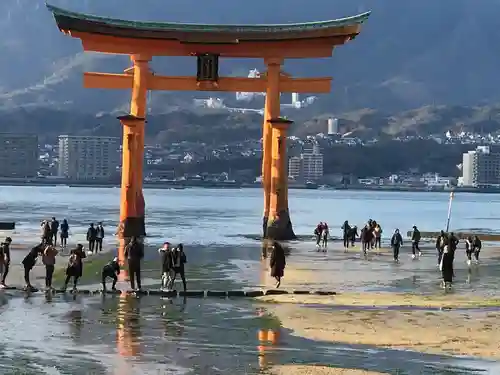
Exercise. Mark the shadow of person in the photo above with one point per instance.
(76, 323)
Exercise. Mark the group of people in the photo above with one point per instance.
(50, 230)
(48, 253)
(321, 233)
(370, 235)
(397, 242)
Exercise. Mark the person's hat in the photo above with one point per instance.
(414, 227)
(8, 239)
(115, 259)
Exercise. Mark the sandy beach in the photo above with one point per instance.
(452, 332)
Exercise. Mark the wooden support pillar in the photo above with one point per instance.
(131, 224)
(279, 224)
(132, 207)
(271, 110)
(138, 108)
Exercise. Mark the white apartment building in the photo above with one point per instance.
(88, 158)
(307, 167)
(18, 155)
(295, 167)
(481, 167)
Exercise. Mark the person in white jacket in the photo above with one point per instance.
(167, 271)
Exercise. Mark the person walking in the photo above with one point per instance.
(377, 232)
(91, 237)
(99, 237)
(476, 246)
(4, 261)
(447, 267)
(415, 240)
(396, 243)
(346, 234)
(134, 252)
(277, 263)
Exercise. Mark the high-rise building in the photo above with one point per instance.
(88, 158)
(18, 155)
(307, 167)
(295, 167)
(481, 167)
(312, 164)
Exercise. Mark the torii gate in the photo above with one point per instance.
(144, 40)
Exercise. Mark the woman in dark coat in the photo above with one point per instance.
(277, 263)
(447, 267)
(75, 266)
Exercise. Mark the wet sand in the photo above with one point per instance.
(318, 370)
(469, 333)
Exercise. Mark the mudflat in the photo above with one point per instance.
(317, 370)
(453, 332)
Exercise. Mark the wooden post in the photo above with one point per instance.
(271, 110)
(279, 225)
(138, 107)
(130, 223)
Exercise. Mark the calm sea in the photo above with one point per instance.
(214, 216)
(149, 335)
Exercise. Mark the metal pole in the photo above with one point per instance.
(452, 195)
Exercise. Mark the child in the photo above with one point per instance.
(111, 270)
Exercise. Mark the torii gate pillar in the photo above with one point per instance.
(279, 226)
(132, 204)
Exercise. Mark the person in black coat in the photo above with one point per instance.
(29, 262)
(476, 246)
(447, 267)
(111, 270)
(179, 259)
(91, 237)
(396, 243)
(277, 263)
(134, 252)
(75, 266)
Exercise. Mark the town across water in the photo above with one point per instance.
(150, 335)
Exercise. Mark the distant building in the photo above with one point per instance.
(18, 155)
(295, 167)
(88, 158)
(307, 167)
(481, 167)
(333, 126)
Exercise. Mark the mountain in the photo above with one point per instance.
(409, 54)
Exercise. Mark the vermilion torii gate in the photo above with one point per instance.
(144, 40)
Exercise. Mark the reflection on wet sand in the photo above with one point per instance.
(268, 341)
(128, 326)
(173, 319)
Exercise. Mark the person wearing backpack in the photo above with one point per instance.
(4, 260)
(75, 266)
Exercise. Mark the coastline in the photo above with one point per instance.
(180, 185)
